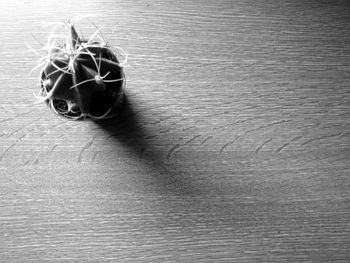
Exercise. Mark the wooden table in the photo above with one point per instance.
(233, 145)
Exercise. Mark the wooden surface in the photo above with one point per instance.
(233, 146)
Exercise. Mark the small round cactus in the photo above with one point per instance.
(82, 78)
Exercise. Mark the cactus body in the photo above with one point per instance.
(82, 78)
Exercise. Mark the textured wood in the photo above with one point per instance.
(233, 145)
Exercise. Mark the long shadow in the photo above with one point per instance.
(128, 128)
(179, 193)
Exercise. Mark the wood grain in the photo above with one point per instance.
(233, 145)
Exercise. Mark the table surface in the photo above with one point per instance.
(233, 145)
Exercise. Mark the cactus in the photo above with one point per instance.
(82, 78)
